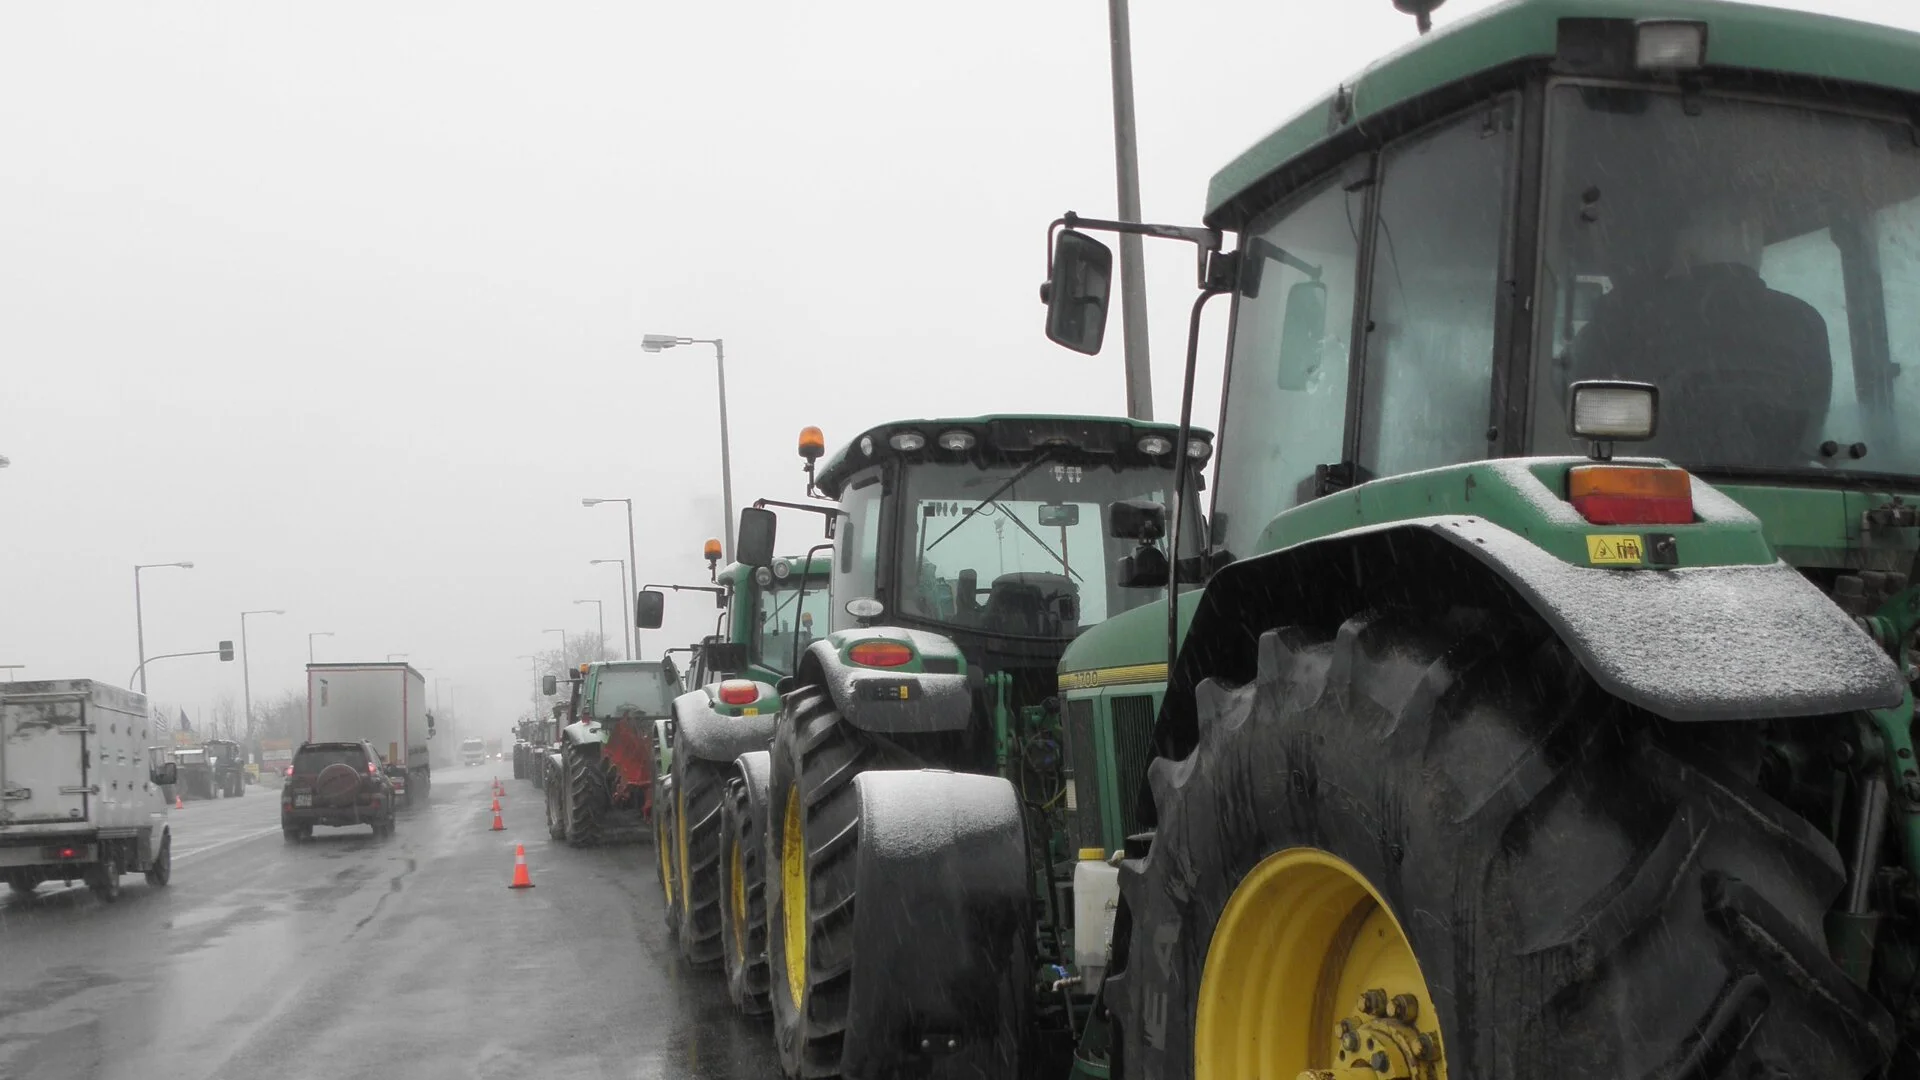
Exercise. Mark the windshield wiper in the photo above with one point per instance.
(997, 492)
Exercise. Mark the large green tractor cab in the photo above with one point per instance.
(968, 554)
(712, 881)
(600, 777)
(1547, 709)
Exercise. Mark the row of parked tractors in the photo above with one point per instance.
(1444, 740)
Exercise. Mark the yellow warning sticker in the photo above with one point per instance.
(1615, 549)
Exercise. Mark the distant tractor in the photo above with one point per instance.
(1472, 746)
(599, 780)
(980, 545)
(195, 773)
(227, 763)
(473, 751)
(705, 871)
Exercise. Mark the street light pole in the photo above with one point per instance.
(246, 673)
(1133, 277)
(626, 597)
(600, 613)
(654, 343)
(631, 560)
(140, 618)
(310, 637)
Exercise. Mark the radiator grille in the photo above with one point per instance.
(1083, 758)
(1133, 718)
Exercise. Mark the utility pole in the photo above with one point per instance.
(1133, 277)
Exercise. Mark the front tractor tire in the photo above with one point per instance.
(663, 847)
(1433, 840)
(743, 884)
(698, 790)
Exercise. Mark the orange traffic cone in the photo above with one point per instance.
(520, 878)
(177, 804)
(495, 806)
(497, 825)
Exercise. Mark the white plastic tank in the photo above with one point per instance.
(1096, 896)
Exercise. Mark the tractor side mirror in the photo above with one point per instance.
(165, 774)
(753, 543)
(1303, 332)
(1137, 519)
(1059, 515)
(723, 657)
(1076, 291)
(1146, 568)
(429, 725)
(549, 685)
(649, 609)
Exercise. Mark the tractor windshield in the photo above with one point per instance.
(1021, 548)
(1758, 262)
(784, 623)
(643, 691)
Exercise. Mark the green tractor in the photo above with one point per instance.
(968, 555)
(718, 737)
(1478, 747)
(599, 780)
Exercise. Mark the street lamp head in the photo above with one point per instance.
(590, 502)
(657, 342)
(277, 611)
(586, 601)
(184, 565)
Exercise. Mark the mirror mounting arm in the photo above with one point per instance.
(1206, 240)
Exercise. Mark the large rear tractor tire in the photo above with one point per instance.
(664, 862)
(1429, 846)
(587, 795)
(813, 831)
(743, 886)
(698, 791)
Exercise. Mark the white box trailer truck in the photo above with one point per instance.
(384, 704)
(80, 786)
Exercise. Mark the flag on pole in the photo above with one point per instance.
(185, 724)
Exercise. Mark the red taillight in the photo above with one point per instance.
(286, 806)
(1631, 494)
(880, 654)
(739, 692)
(69, 853)
(372, 769)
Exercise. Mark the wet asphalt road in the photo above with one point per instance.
(349, 957)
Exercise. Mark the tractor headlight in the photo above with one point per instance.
(1669, 45)
(906, 441)
(1199, 449)
(1614, 411)
(763, 577)
(781, 569)
(956, 441)
(1154, 445)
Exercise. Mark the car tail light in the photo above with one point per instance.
(64, 853)
(880, 654)
(739, 692)
(372, 769)
(1631, 494)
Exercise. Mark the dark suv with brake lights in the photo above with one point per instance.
(335, 783)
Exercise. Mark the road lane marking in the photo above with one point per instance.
(225, 843)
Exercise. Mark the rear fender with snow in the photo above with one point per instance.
(712, 730)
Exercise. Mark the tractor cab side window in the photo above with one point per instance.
(1286, 395)
(1428, 374)
(856, 546)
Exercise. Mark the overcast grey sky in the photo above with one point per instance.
(343, 301)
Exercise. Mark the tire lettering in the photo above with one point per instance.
(1155, 1019)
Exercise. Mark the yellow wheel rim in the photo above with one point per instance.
(739, 907)
(793, 895)
(680, 849)
(660, 842)
(1309, 975)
